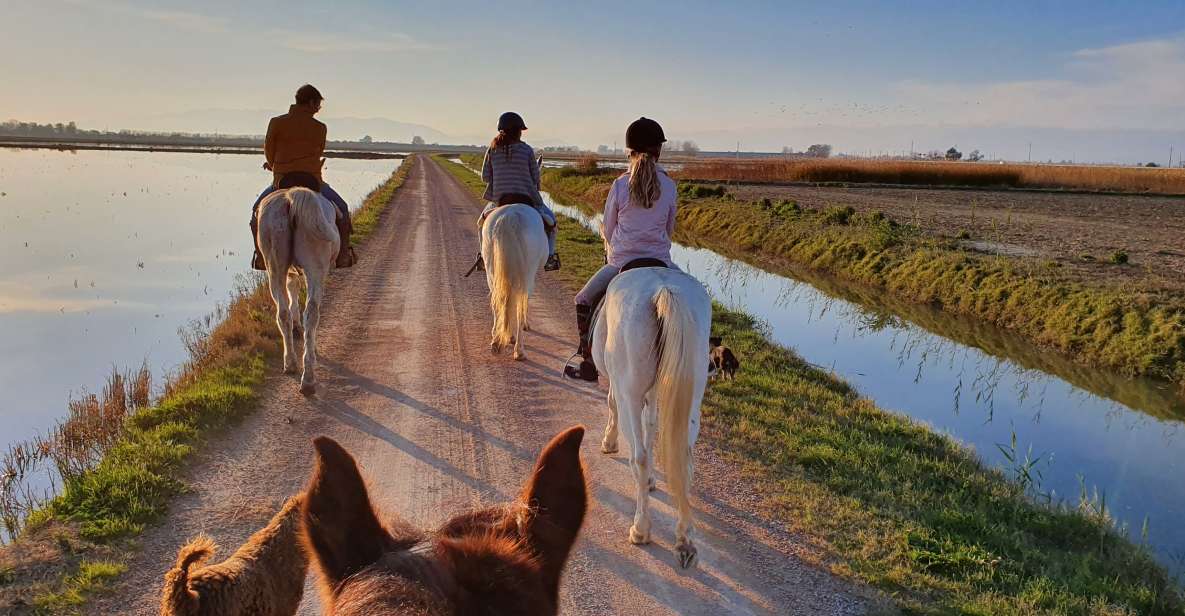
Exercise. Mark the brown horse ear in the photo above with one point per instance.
(339, 523)
(558, 497)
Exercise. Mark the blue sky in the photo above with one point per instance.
(1085, 80)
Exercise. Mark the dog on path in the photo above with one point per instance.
(265, 577)
(724, 362)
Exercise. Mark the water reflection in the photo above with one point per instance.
(106, 254)
(1092, 429)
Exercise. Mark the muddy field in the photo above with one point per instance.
(1080, 232)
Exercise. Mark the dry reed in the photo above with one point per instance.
(32, 470)
(935, 173)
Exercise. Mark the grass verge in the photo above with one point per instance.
(51, 566)
(1137, 333)
(892, 503)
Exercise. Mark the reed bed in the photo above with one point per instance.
(936, 173)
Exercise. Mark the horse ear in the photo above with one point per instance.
(558, 498)
(340, 525)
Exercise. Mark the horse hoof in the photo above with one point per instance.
(290, 369)
(518, 356)
(526, 327)
(652, 485)
(687, 553)
(606, 447)
(495, 348)
(637, 537)
(308, 389)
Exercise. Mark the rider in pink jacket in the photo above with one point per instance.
(638, 222)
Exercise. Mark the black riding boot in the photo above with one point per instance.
(345, 255)
(257, 261)
(587, 370)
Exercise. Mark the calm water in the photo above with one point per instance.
(1117, 437)
(106, 254)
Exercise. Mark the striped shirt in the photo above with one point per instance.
(516, 173)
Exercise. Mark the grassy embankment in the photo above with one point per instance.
(893, 504)
(925, 173)
(1117, 327)
(76, 542)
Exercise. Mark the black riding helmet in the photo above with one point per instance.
(511, 121)
(644, 134)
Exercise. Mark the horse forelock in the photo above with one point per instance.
(448, 575)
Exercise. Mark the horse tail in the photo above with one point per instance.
(675, 387)
(177, 598)
(510, 275)
(308, 214)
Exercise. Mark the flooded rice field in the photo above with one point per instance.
(1085, 433)
(107, 254)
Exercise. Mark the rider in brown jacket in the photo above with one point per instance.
(294, 148)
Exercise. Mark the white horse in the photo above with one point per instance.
(651, 340)
(514, 247)
(298, 235)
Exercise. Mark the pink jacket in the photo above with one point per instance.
(633, 232)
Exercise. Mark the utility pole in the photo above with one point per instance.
(1170, 165)
(1030, 151)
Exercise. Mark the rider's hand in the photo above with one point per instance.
(267, 165)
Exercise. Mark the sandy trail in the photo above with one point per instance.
(439, 425)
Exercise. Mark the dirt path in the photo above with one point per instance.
(439, 425)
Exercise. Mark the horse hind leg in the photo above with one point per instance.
(312, 317)
(294, 282)
(640, 463)
(650, 432)
(283, 317)
(609, 442)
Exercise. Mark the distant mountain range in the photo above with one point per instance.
(254, 122)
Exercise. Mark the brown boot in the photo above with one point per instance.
(257, 262)
(345, 256)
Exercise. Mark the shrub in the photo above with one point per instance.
(838, 215)
(587, 163)
(1119, 257)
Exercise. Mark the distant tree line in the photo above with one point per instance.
(69, 132)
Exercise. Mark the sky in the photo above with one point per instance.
(1086, 81)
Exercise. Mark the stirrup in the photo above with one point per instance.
(576, 371)
(553, 263)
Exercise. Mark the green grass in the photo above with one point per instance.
(132, 485)
(91, 577)
(1121, 328)
(891, 503)
(367, 217)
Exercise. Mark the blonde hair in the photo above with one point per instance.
(644, 187)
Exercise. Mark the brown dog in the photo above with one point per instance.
(724, 363)
(265, 577)
(502, 560)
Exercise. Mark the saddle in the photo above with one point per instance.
(638, 263)
(643, 262)
(516, 198)
(299, 179)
